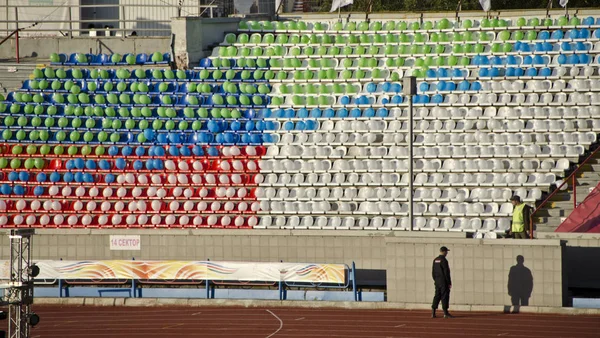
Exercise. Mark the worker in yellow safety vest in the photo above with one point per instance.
(520, 218)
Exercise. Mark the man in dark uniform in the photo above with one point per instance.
(441, 277)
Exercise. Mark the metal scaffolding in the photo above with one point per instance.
(19, 291)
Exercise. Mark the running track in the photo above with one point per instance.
(166, 322)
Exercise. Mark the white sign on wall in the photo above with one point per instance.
(125, 242)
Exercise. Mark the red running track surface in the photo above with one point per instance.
(163, 322)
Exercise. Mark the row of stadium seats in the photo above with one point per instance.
(517, 36)
(104, 59)
(443, 24)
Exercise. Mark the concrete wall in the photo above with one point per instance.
(480, 270)
(42, 47)
(194, 36)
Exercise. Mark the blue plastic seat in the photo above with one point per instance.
(72, 60)
(141, 59)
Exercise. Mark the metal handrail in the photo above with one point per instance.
(189, 9)
(565, 181)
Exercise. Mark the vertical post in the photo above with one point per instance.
(17, 32)
(458, 9)
(548, 7)
(122, 20)
(410, 89)
(574, 193)
(353, 276)
(70, 22)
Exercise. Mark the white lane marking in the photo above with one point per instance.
(172, 326)
(401, 325)
(503, 334)
(299, 318)
(280, 324)
(196, 313)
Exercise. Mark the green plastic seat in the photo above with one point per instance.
(340, 39)
(362, 62)
(314, 38)
(414, 26)
(485, 23)
(292, 25)
(268, 26)
(280, 26)
(338, 26)
(353, 39)
(312, 89)
(268, 38)
(478, 48)
(276, 62)
(347, 50)
(373, 50)
(521, 22)
(335, 51)
(281, 39)
(403, 49)
(531, 35)
(309, 50)
(390, 49)
(507, 47)
(504, 35)
(372, 62)
(287, 63)
(346, 63)
(363, 26)
(302, 26)
(419, 38)
(255, 38)
(269, 51)
(378, 38)
(295, 51)
(401, 26)
(318, 26)
(439, 61)
(350, 26)
(391, 38)
(338, 88)
(434, 37)
(364, 39)
(428, 61)
(467, 24)
(322, 50)
(427, 25)
(575, 21)
(359, 74)
(376, 26)
(443, 24)
(440, 49)
(244, 51)
(496, 48)
(360, 50)
(255, 25)
(425, 49)
(230, 51)
(243, 25)
(547, 22)
(327, 39)
(518, 35)
(415, 49)
(279, 50)
(243, 38)
(230, 38)
(534, 22)
(389, 26)
(457, 49)
(404, 38)
(468, 48)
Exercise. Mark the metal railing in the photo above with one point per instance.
(571, 178)
(147, 18)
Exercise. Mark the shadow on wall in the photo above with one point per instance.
(157, 29)
(520, 285)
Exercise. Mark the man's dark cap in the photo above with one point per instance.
(444, 249)
(516, 198)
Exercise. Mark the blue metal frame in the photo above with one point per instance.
(65, 289)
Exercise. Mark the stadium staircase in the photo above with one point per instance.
(561, 204)
(13, 74)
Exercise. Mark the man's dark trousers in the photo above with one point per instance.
(442, 292)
